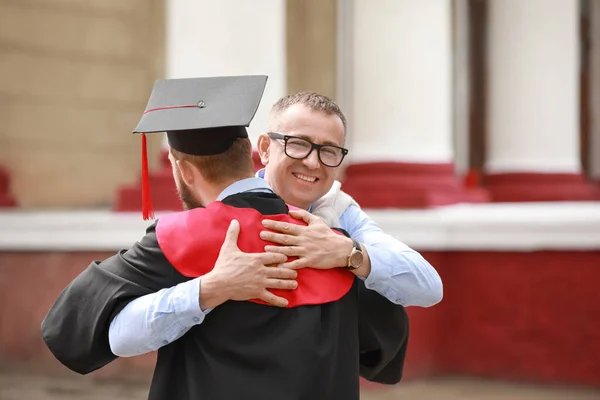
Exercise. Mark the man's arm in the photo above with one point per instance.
(391, 268)
(157, 319)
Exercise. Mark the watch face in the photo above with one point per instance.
(356, 259)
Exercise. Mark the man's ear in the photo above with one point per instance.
(187, 171)
(262, 145)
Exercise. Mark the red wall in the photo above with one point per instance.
(527, 316)
(524, 316)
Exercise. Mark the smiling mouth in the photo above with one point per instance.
(309, 179)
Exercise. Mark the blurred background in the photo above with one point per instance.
(474, 137)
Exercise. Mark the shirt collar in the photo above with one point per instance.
(245, 185)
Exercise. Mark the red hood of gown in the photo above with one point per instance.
(192, 240)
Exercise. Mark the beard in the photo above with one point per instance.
(186, 196)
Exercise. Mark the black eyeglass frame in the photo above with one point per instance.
(313, 146)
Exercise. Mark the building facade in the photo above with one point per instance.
(473, 132)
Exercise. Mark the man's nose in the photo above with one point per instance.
(312, 161)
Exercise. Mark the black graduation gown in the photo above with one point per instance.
(242, 350)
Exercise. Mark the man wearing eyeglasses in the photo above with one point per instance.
(301, 154)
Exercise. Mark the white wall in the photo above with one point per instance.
(402, 81)
(533, 86)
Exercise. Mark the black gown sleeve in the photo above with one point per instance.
(383, 337)
(76, 327)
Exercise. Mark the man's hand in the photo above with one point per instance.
(315, 245)
(244, 276)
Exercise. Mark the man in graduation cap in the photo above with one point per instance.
(302, 152)
(329, 328)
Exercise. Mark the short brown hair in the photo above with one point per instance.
(235, 163)
(312, 100)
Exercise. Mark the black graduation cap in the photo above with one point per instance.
(201, 116)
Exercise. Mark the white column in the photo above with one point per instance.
(461, 87)
(533, 114)
(401, 80)
(229, 37)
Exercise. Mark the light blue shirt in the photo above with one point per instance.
(398, 272)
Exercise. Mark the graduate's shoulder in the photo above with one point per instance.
(190, 224)
(191, 240)
(210, 224)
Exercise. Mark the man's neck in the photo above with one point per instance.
(212, 192)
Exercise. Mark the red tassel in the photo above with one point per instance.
(147, 210)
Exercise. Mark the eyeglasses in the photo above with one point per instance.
(299, 148)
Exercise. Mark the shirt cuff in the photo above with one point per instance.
(381, 272)
(186, 303)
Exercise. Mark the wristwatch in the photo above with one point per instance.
(355, 258)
